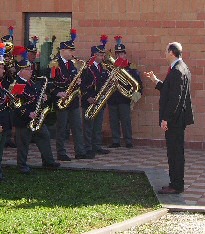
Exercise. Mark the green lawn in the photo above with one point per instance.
(66, 201)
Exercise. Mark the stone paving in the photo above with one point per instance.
(140, 158)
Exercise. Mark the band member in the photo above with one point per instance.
(17, 54)
(8, 57)
(119, 105)
(5, 120)
(9, 37)
(63, 73)
(29, 96)
(175, 113)
(93, 79)
(9, 76)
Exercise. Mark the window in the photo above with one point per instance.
(47, 26)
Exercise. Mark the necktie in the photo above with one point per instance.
(33, 67)
(168, 71)
(99, 68)
(68, 65)
(29, 82)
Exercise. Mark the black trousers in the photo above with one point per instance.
(175, 153)
(120, 118)
(42, 140)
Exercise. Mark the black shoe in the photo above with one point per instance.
(10, 144)
(169, 190)
(90, 154)
(80, 156)
(25, 170)
(129, 145)
(102, 151)
(114, 145)
(63, 158)
(53, 165)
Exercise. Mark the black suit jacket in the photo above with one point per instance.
(5, 117)
(175, 105)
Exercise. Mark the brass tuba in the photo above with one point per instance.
(126, 84)
(73, 89)
(119, 79)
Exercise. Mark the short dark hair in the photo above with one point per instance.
(176, 49)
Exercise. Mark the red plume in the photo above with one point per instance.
(104, 39)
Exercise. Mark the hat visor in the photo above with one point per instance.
(32, 51)
(123, 50)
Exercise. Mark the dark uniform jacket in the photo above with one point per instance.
(28, 99)
(34, 71)
(9, 77)
(175, 105)
(92, 81)
(117, 97)
(5, 117)
(61, 81)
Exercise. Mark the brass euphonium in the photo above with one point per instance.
(126, 84)
(105, 92)
(119, 79)
(14, 101)
(73, 89)
(9, 46)
(9, 58)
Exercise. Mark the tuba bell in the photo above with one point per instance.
(119, 79)
(125, 83)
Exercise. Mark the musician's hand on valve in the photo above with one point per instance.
(78, 81)
(61, 94)
(6, 59)
(45, 98)
(32, 115)
(116, 82)
(12, 70)
(91, 100)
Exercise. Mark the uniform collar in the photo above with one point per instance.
(23, 79)
(65, 61)
(175, 61)
(96, 64)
